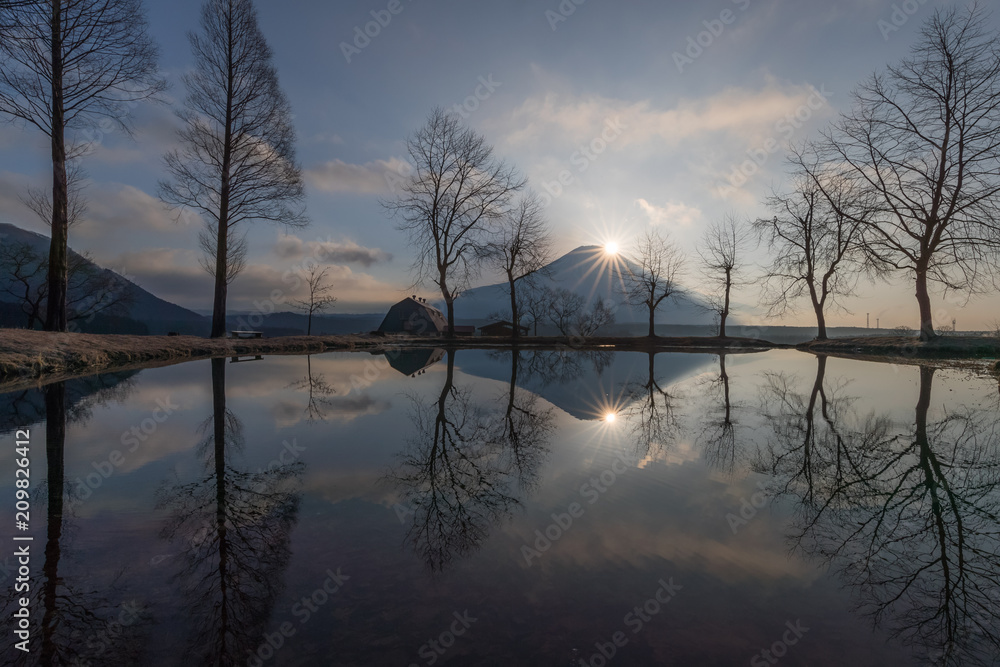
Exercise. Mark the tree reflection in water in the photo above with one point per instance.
(83, 621)
(231, 529)
(318, 392)
(720, 423)
(909, 518)
(652, 414)
(466, 465)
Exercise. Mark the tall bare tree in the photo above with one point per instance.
(237, 161)
(64, 65)
(319, 295)
(521, 247)
(816, 247)
(660, 266)
(923, 138)
(722, 251)
(458, 189)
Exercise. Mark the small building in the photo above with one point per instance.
(502, 328)
(414, 316)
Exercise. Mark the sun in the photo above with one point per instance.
(610, 417)
(611, 248)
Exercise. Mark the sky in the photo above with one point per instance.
(623, 115)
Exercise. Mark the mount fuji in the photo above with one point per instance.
(590, 272)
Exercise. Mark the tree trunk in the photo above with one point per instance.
(55, 319)
(222, 237)
(515, 320)
(652, 322)
(221, 287)
(817, 305)
(725, 307)
(309, 324)
(450, 307)
(221, 501)
(924, 302)
(724, 376)
(820, 322)
(55, 454)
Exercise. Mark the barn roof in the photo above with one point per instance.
(413, 316)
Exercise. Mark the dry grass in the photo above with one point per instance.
(944, 347)
(28, 356)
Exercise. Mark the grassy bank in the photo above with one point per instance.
(944, 347)
(29, 358)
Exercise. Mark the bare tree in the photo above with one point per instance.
(815, 246)
(237, 160)
(64, 65)
(23, 278)
(588, 322)
(536, 301)
(459, 187)
(564, 307)
(660, 266)
(319, 296)
(722, 256)
(569, 314)
(923, 138)
(521, 247)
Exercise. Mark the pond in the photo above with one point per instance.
(487, 508)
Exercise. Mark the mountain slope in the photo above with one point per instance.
(158, 315)
(590, 272)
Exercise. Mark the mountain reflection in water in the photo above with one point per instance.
(422, 477)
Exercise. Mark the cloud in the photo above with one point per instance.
(366, 179)
(176, 276)
(739, 112)
(672, 213)
(114, 208)
(292, 247)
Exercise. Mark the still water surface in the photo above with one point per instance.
(477, 508)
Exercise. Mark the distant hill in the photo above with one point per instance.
(294, 324)
(157, 316)
(591, 273)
